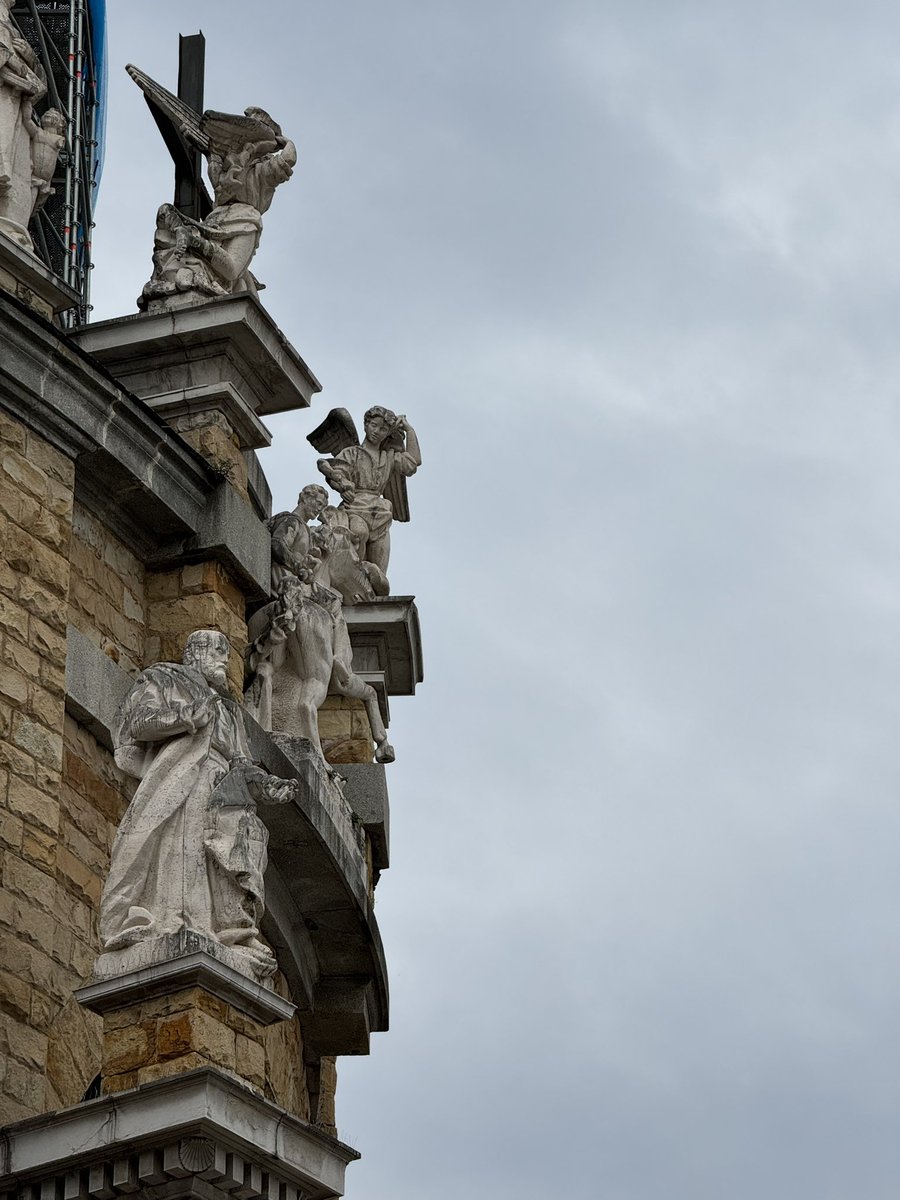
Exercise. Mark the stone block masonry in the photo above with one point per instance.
(345, 732)
(199, 596)
(170, 1034)
(36, 950)
(107, 591)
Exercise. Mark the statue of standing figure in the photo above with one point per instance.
(300, 649)
(190, 852)
(29, 149)
(370, 477)
(248, 157)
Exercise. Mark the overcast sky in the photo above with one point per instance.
(632, 270)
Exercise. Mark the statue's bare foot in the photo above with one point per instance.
(385, 753)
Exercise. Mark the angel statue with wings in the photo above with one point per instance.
(370, 477)
(248, 157)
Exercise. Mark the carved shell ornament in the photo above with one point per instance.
(196, 1153)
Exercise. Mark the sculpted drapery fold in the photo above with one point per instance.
(190, 852)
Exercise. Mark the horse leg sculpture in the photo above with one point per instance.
(346, 683)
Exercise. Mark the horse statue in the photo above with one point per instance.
(299, 652)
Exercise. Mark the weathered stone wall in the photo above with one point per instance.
(62, 797)
(211, 434)
(200, 596)
(36, 954)
(106, 596)
(344, 731)
(94, 797)
(191, 1028)
(285, 1079)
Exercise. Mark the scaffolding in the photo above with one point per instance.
(69, 38)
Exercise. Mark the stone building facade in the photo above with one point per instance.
(133, 511)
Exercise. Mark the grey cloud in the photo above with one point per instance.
(631, 269)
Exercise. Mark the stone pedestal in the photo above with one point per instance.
(181, 1014)
(24, 276)
(212, 371)
(227, 354)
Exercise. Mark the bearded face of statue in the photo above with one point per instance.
(206, 651)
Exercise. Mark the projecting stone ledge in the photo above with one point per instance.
(152, 488)
(185, 960)
(386, 640)
(226, 356)
(25, 277)
(197, 1134)
(365, 790)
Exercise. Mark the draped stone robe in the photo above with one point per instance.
(190, 851)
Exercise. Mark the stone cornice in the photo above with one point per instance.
(134, 472)
(199, 1128)
(53, 387)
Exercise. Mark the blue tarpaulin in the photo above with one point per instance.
(97, 13)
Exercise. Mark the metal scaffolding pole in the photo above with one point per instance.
(67, 37)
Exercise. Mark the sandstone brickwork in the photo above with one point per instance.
(192, 1028)
(211, 434)
(36, 957)
(199, 596)
(345, 732)
(325, 1115)
(106, 596)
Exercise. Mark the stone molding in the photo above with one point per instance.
(133, 472)
(232, 341)
(190, 969)
(95, 685)
(210, 398)
(197, 1134)
(56, 390)
(390, 627)
(26, 277)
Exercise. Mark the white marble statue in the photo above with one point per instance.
(28, 149)
(47, 140)
(324, 552)
(370, 477)
(300, 652)
(191, 851)
(291, 535)
(247, 159)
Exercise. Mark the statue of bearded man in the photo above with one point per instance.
(190, 852)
